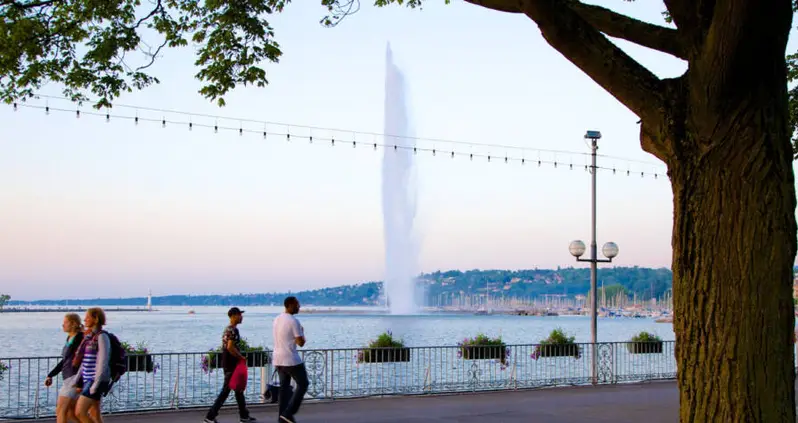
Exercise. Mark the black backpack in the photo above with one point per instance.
(118, 359)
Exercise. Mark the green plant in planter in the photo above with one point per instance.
(256, 356)
(139, 358)
(645, 343)
(558, 344)
(384, 349)
(3, 369)
(482, 347)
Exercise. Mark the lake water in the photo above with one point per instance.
(175, 330)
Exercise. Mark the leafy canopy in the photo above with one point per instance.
(107, 47)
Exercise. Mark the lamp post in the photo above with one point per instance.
(577, 249)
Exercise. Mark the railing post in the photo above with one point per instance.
(36, 401)
(176, 392)
(332, 374)
(263, 382)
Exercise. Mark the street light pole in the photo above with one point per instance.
(594, 136)
(610, 250)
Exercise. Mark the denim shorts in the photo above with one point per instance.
(102, 389)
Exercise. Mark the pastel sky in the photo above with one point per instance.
(93, 208)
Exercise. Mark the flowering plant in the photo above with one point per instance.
(213, 358)
(558, 344)
(3, 368)
(139, 358)
(139, 349)
(484, 347)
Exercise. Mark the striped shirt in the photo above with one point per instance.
(89, 365)
(96, 357)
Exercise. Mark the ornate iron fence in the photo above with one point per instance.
(182, 380)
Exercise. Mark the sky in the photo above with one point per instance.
(94, 208)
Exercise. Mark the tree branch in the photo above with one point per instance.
(614, 24)
(604, 62)
(509, 6)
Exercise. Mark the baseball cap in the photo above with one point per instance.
(234, 311)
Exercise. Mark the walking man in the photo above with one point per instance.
(231, 355)
(288, 333)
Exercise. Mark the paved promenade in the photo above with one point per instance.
(655, 402)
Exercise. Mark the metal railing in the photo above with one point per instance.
(183, 380)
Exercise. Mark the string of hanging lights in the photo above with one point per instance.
(340, 137)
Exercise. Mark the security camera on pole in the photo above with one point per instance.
(577, 249)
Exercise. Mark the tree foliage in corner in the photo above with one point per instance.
(106, 47)
(724, 128)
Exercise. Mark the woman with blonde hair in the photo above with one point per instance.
(67, 396)
(94, 356)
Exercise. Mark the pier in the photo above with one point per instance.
(68, 309)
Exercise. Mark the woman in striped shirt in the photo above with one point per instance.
(94, 357)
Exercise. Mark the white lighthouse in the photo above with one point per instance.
(149, 300)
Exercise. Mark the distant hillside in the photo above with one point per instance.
(640, 281)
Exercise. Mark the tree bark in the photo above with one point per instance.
(734, 243)
(734, 246)
(722, 129)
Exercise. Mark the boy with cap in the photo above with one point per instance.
(231, 355)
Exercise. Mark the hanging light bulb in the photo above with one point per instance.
(47, 110)
(505, 159)
(190, 126)
(332, 142)
(433, 151)
(414, 150)
(15, 107)
(264, 134)
(240, 131)
(163, 123)
(77, 114)
(354, 144)
(375, 146)
(288, 137)
(555, 165)
(136, 120)
(452, 154)
(523, 161)
(539, 163)
(472, 156)
(310, 139)
(216, 127)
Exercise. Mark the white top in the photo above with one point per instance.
(286, 330)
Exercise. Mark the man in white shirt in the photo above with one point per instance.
(288, 334)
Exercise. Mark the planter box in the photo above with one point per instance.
(487, 352)
(384, 355)
(644, 347)
(559, 350)
(140, 363)
(254, 359)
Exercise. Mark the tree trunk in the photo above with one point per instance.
(734, 245)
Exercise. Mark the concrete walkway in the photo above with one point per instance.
(655, 402)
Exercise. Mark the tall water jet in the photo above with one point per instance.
(398, 197)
